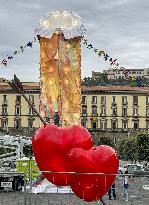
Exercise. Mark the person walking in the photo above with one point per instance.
(125, 185)
(112, 192)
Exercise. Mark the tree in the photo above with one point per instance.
(143, 147)
(127, 149)
(2, 150)
(27, 150)
(106, 141)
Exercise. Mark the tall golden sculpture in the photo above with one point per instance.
(60, 61)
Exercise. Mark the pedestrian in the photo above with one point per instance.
(125, 185)
(112, 192)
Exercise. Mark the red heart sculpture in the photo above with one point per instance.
(102, 159)
(51, 145)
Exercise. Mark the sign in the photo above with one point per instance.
(6, 184)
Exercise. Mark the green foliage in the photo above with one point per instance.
(27, 150)
(143, 147)
(2, 150)
(106, 141)
(134, 148)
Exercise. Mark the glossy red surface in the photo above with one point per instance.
(51, 145)
(101, 159)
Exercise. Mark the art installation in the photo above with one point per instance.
(69, 148)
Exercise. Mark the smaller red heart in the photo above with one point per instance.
(51, 145)
(101, 159)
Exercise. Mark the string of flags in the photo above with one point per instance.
(101, 53)
(11, 55)
(112, 61)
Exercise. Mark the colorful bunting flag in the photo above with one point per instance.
(100, 53)
(4, 62)
(10, 57)
(89, 46)
(106, 56)
(29, 44)
(15, 52)
(22, 49)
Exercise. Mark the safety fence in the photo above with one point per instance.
(15, 190)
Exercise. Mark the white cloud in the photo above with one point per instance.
(120, 27)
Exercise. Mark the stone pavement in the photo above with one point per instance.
(137, 196)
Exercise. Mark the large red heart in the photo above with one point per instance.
(102, 159)
(51, 145)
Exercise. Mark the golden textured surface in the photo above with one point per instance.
(61, 78)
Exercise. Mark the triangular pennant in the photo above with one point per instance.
(100, 53)
(29, 44)
(95, 50)
(106, 56)
(15, 52)
(4, 62)
(89, 46)
(35, 39)
(22, 49)
(85, 41)
(10, 57)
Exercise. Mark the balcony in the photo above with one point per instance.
(94, 102)
(84, 114)
(83, 102)
(103, 114)
(4, 102)
(124, 103)
(114, 104)
(4, 113)
(17, 102)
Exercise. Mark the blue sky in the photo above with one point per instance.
(120, 27)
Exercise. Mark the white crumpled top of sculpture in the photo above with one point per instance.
(60, 21)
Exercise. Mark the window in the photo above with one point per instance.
(147, 100)
(4, 124)
(103, 100)
(84, 110)
(114, 125)
(124, 111)
(94, 99)
(113, 99)
(103, 111)
(31, 98)
(18, 110)
(4, 98)
(124, 125)
(135, 100)
(4, 110)
(103, 125)
(94, 125)
(30, 124)
(136, 125)
(94, 110)
(135, 111)
(147, 112)
(124, 99)
(83, 123)
(18, 98)
(31, 111)
(83, 99)
(147, 125)
(114, 111)
(17, 123)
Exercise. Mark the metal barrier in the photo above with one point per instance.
(138, 193)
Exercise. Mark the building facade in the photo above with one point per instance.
(105, 109)
(15, 113)
(121, 73)
(115, 109)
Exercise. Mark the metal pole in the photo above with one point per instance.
(24, 188)
(30, 174)
(20, 91)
